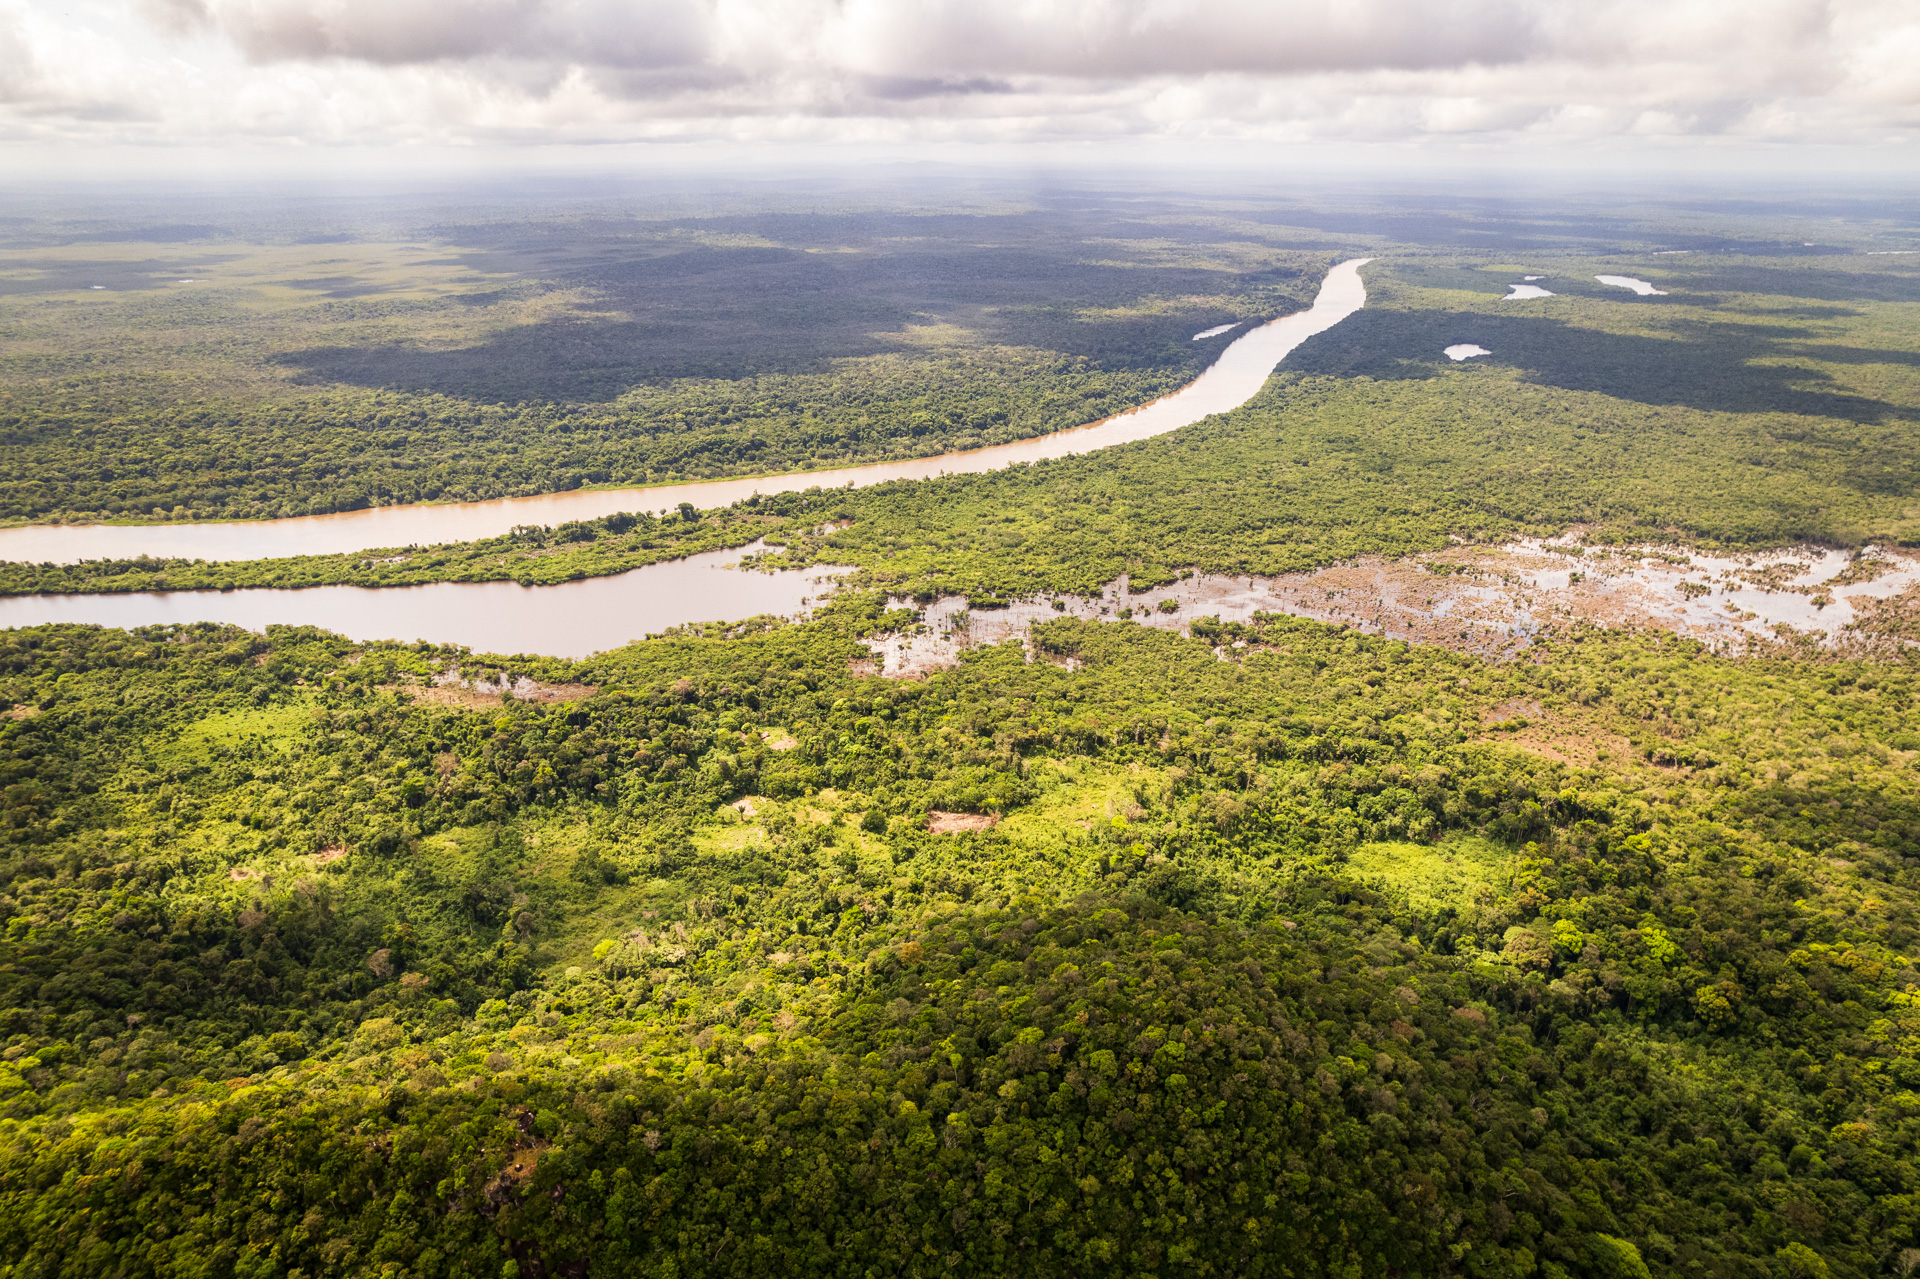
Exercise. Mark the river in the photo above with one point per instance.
(1229, 382)
(575, 619)
(572, 619)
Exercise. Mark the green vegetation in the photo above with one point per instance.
(1378, 444)
(237, 381)
(1275, 950)
(1453, 874)
(1273, 965)
(1375, 443)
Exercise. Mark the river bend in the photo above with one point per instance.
(575, 619)
(1229, 382)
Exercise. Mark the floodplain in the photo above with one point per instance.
(1444, 816)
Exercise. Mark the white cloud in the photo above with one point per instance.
(18, 73)
(606, 33)
(1107, 38)
(376, 72)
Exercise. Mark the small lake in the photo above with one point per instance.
(573, 619)
(1641, 287)
(1232, 380)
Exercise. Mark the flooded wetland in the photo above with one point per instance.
(1489, 601)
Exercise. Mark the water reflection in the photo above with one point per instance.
(570, 620)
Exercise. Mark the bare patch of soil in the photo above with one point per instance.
(536, 692)
(1514, 708)
(331, 853)
(1565, 744)
(241, 874)
(23, 712)
(522, 1165)
(448, 689)
(939, 823)
(1579, 739)
(781, 743)
(464, 698)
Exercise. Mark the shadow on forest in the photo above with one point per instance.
(336, 286)
(1704, 285)
(1797, 282)
(750, 311)
(71, 275)
(1709, 369)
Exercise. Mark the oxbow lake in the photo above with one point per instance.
(572, 619)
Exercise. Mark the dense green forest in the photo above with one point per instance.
(1316, 961)
(245, 380)
(1270, 949)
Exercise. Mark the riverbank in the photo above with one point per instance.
(528, 556)
(1230, 381)
(569, 620)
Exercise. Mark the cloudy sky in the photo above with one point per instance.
(80, 75)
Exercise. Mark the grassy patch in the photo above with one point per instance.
(1455, 873)
(1080, 797)
(275, 727)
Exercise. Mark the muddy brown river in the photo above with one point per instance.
(578, 618)
(1229, 382)
(572, 619)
